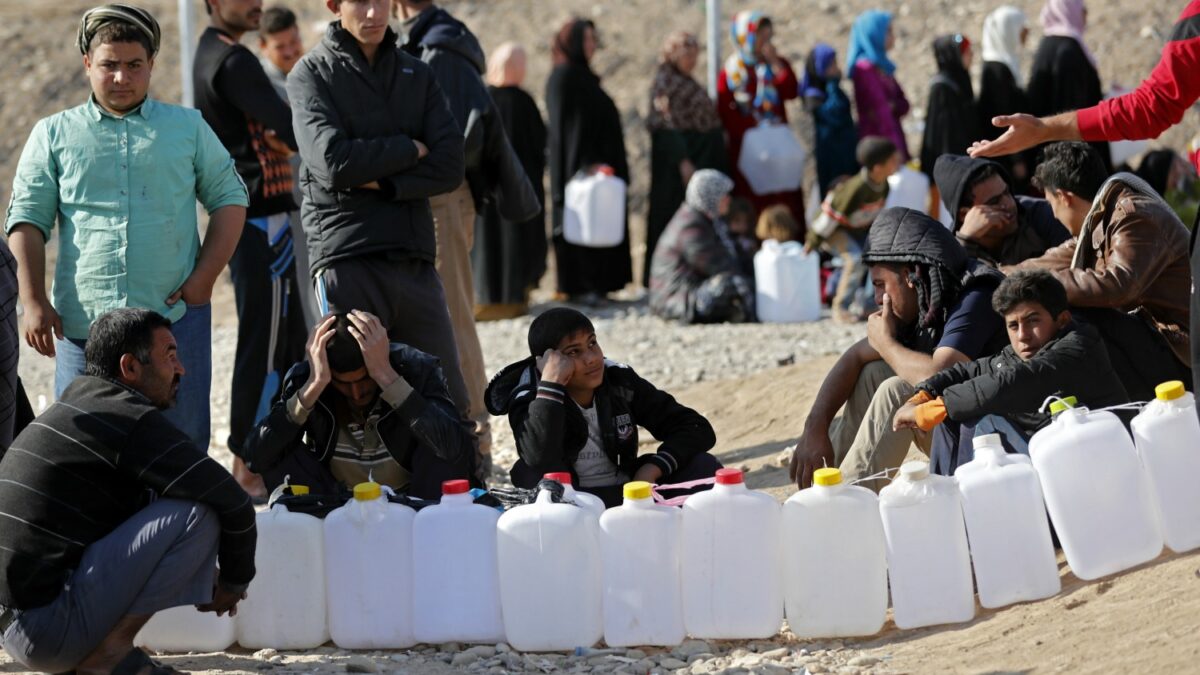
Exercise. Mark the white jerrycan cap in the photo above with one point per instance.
(988, 445)
(915, 470)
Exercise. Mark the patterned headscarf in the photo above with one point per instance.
(1067, 18)
(744, 33)
(1002, 38)
(98, 17)
(868, 40)
(705, 190)
(676, 46)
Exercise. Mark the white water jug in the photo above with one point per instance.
(187, 629)
(369, 574)
(1007, 526)
(771, 159)
(732, 588)
(640, 543)
(594, 209)
(928, 561)
(285, 604)
(1167, 436)
(456, 583)
(1096, 491)
(590, 502)
(550, 576)
(787, 283)
(908, 188)
(834, 560)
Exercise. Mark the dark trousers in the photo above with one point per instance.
(406, 294)
(426, 473)
(702, 465)
(953, 442)
(1194, 328)
(1140, 355)
(271, 329)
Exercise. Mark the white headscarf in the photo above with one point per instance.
(1002, 38)
(705, 190)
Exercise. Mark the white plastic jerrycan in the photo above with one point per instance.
(590, 502)
(928, 561)
(594, 209)
(456, 583)
(787, 283)
(640, 542)
(834, 560)
(285, 604)
(1096, 491)
(187, 629)
(908, 188)
(732, 588)
(771, 159)
(369, 571)
(1006, 526)
(1167, 436)
(550, 576)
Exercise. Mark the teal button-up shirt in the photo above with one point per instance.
(123, 191)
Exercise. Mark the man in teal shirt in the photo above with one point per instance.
(121, 175)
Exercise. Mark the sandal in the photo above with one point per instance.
(136, 660)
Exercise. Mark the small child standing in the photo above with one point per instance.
(846, 216)
(572, 410)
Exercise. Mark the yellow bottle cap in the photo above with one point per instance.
(1065, 404)
(365, 492)
(638, 489)
(827, 476)
(1169, 391)
(298, 490)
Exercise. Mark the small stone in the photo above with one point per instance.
(400, 658)
(772, 669)
(816, 668)
(704, 667)
(512, 661)
(692, 647)
(275, 659)
(699, 657)
(360, 664)
(749, 660)
(463, 659)
(672, 663)
(264, 654)
(483, 651)
(635, 654)
(848, 670)
(503, 648)
(779, 653)
(451, 647)
(863, 661)
(645, 665)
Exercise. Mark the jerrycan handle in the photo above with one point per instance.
(279, 490)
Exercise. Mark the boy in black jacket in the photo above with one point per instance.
(1048, 355)
(571, 410)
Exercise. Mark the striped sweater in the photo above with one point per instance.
(92, 460)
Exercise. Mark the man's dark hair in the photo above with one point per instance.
(1030, 286)
(117, 333)
(553, 325)
(968, 194)
(343, 351)
(118, 31)
(873, 151)
(276, 20)
(1073, 166)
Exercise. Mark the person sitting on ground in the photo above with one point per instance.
(696, 274)
(111, 513)
(362, 408)
(995, 227)
(1125, 267)
(572, 410)
(935, 311)
(846, 216)
(1048, 355)
(778, 224)
(743, 226)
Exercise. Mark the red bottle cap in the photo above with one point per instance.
(729, 477)
(456, 487)
(606, 170)
(563, 477)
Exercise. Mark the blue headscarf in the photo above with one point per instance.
(867, 38)
(818, 61)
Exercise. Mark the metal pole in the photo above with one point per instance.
(714, 45)
(187, 93)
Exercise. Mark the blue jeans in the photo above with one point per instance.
(193, 337)
(953, 442)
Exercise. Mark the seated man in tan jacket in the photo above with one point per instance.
(1125, 268)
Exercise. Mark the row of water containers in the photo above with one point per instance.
(552, 576)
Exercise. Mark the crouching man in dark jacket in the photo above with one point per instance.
(573, 411)
(1048, 355)
(362, 408)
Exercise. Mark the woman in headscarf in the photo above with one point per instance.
(685, 134)
(695, 276)
(753, 87)
(585, 134)
(1064, 76)
(877, 95)
(836, 135)
(1000, 88)
(950, 116)
(509, 258)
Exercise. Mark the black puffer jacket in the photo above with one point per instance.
(355, 123)
(428, 417)
(551, 433)
(1073, 364)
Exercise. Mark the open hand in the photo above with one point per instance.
(372, 338)
(319, 373)
(1024, 132)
